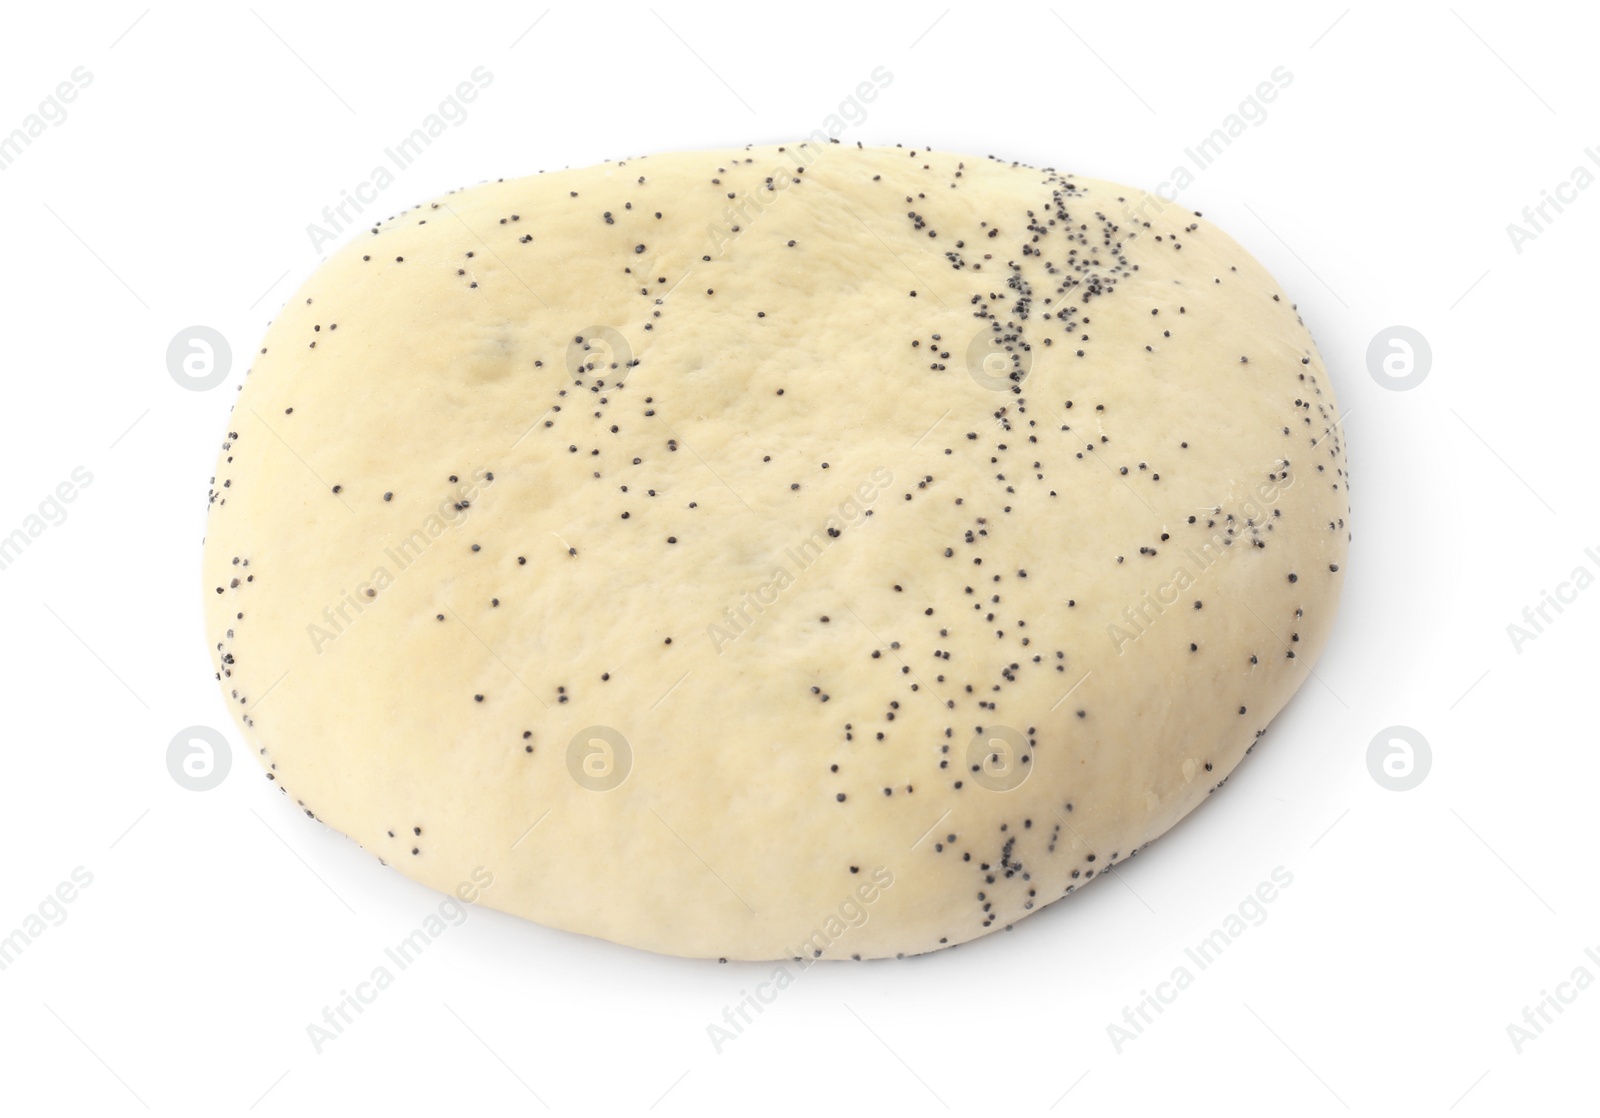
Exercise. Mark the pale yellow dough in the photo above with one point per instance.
(755, 563)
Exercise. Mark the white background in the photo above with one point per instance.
(1379, 189)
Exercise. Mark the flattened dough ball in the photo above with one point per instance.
(800, 551)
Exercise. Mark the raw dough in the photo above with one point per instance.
(801, 551)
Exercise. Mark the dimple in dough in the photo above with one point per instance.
(807, 551)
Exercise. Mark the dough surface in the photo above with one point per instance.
(803, 551)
